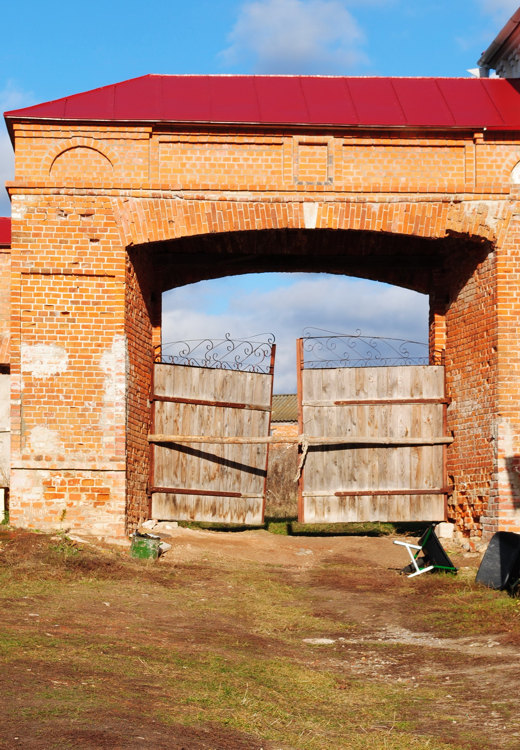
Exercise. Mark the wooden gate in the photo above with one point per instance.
(374, 442)
(206, 416)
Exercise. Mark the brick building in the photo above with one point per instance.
(129, 190)
(5, 273)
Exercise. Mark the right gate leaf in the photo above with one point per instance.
(375, 441)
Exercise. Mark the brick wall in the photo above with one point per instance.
(106, 218)
(68, 365)
(471, 383)
(140, 323)
(5, 307)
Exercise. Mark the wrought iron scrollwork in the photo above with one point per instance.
(325, 349)
(246, 355)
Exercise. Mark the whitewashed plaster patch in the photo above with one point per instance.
(43, 440)
(494, 211)
(44, 360)
(113, 363)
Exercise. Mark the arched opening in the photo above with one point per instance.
(441, 269)
(197, 317)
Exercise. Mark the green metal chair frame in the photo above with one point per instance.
(434, 556)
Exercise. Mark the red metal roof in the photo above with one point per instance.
(289, 100)
(5, 231)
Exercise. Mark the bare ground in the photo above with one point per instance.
(251, 640)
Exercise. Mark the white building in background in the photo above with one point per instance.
(503, 54)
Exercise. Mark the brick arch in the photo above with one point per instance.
(70, 163)
(443, 249)
(63, 146)
(157, 220)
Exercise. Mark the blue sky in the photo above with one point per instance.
(50, 50)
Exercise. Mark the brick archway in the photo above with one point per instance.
(94, 246)
(446, 269)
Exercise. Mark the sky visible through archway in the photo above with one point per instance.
(285, 304)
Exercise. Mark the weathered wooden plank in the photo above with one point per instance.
(201, 402)
(361, 508)
(193, 491)
(379, 492)
(393, 417)
(337, 440)
(377, 401)
(211, 509)
(205, 402)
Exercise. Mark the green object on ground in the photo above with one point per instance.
(145, 547)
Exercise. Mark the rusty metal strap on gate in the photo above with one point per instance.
(207, 402)
(207, 493)
(377, 402)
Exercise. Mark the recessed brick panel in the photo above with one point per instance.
(403, 168)
(220, 164)
(72, 370)
(312, 165)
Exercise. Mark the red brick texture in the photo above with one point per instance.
(106, 218)
(5, 306)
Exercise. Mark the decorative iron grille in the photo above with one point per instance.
(325, 349)
(247, 355)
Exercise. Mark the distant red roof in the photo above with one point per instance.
(294, 100)
(5, 231)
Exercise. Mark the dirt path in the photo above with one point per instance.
(251, 641)
(303, 551)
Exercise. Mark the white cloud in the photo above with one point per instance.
(287, 306)
(11, 97)
(295, 37)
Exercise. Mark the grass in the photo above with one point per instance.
(289, 526)
(461, 607)
(130, 644)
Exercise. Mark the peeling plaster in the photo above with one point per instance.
(113, 364)
(43, 440)
(494, 212)
(508, 463)
(43, 360)
(506, 437)
(18, 209)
